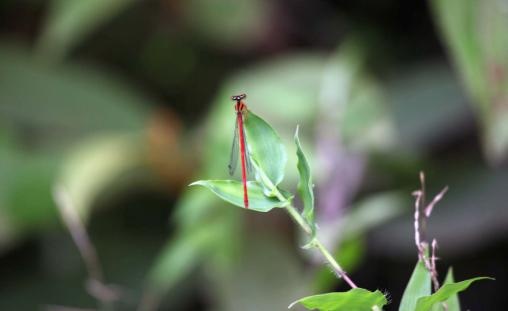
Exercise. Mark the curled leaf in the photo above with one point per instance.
(265, 148)
(305, 186)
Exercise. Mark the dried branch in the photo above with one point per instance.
(421, 215)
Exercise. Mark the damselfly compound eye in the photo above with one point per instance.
(238, 97)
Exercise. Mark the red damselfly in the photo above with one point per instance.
(240, 145)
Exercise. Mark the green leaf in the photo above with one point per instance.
(265, 148)
(356, 299)
(418, 286)
(456, 19)
(305, 185)
(363, 122)
(445, 292)
(232, 192)
(475, 33)
(452, 303)
(25, 173)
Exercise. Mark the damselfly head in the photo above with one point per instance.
(238, 97)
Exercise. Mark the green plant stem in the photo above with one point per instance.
(297, 217)
(335, 265)
(319, 246)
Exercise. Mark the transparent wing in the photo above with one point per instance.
(247, 154)
(233, 158)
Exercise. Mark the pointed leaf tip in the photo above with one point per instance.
(418, 286)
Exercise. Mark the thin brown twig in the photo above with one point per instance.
(420, 226)
(432, 265)
(78, 232)
(95, 285)
(437, 198)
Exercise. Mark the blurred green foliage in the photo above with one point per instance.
(70, 22)
(475, 32)
(62, 120)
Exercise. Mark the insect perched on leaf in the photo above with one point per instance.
(239, 146)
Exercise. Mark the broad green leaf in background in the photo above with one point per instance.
(305, 185)
(367, 123)
(265, 147)
(25, 201)
(446, 291)
(418, 286)
(475, 32)
(352, 104)
(342, 71)
(356, 299)
(232, 192)
(428, 104)
(457, 21)
(70, 21)
(493, 42)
